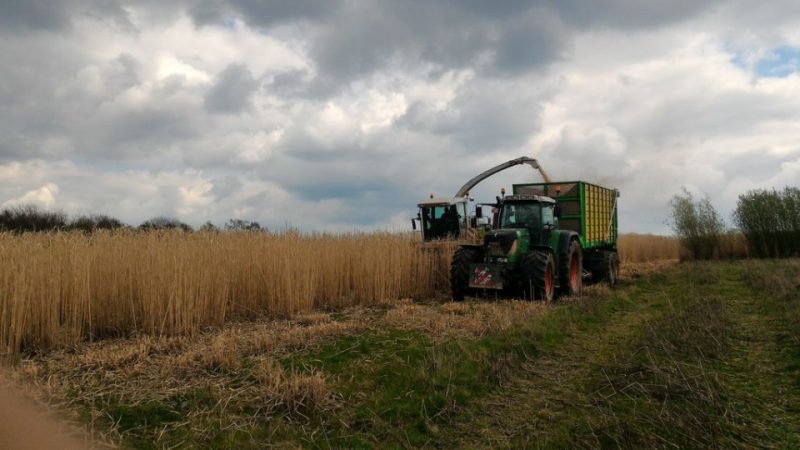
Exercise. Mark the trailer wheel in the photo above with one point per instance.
(570, 273)
(612, 268)
(539, 269)
(459, 271)
(598, 269)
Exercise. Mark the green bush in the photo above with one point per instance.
(89, 224)
(242, 225)
(164, 223)
(697, 225)
(770, 220)
(29, 218)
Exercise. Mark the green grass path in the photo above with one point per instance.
(697, 362)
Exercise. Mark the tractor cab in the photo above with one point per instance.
(523, 222)
(442, 218)
(532, 213)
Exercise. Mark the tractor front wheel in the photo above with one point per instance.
(539, 268)
(459, 271)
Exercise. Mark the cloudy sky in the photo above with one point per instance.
(342, 115)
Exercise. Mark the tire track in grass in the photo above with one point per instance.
(698, 360)
(762, 363)
(543, 395)
(401, 389)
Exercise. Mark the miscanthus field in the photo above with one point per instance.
(255, 340)
(60, 289)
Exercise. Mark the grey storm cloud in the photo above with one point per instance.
(361, 37)
(497, 115)
(627, 13)
(232, 91)
(122, 73)
(35, 14)
(341, 114)
(260, 12)
(355, 37)
(59, 15)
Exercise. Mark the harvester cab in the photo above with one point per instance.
(443, 218)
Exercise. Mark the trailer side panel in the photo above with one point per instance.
(588, 209)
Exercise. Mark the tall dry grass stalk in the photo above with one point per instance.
(638, 248)
(647, 247)
(733, 244)
(59, 289)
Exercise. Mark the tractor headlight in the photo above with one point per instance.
(495, 249)
(513, 248)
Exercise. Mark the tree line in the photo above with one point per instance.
(31, 219)
(769, 220)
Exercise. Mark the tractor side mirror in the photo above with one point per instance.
(478, 212)
(557, 211)
(414, 224)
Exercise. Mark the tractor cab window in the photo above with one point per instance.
(520, 215)
(442, 221)
(548, 218)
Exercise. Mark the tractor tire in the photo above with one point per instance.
(459, 271)
(539, 270)
(612, 268)
(570, 270)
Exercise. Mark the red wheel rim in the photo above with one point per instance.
(573, 273)
(548, 281)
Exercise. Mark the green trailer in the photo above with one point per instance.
(588, 209)
(546, 239)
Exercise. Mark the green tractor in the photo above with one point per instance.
(543, 244)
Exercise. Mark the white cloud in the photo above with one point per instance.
(329, 120)
(44, 197)
(168, 65)
(652, 123)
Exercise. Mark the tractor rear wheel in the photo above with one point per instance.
(570, 273)
(459, 270)
(539, 269)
